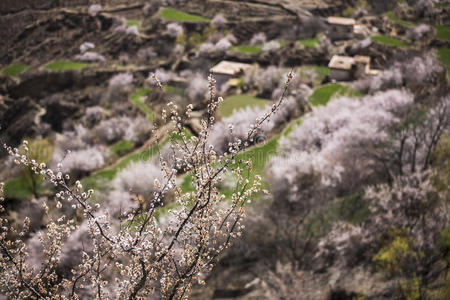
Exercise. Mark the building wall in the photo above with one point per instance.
(221, 79)
(339, 32)
(340, 75)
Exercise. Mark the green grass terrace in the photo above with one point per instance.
(442, 32)
(310, 43)
(136, 23)
(14, 70)
(391, 16)
(171, 14)
(443, 56)
(248, 49)
(136, 99)
(234, 103)
(389, 41)
(323, 94)
(66, 65)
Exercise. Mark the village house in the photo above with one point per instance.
(340, 28)
(341, 68)
(344, 68)
(360, 31)
(228, 72)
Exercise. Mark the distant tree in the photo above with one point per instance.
(219, 21)
(94, 10)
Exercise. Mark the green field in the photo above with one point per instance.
(323, 94)
(443, 55)
(135, 98)
(394, 18)
(249, 49)
(17, 188)
(442, 32)
(237, 102)
(176, 15)
(13, 70)
(136, 23)
(66, 65)
(389, 41)
(121, 147)
(310, 43)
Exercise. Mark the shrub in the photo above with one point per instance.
(387, 79)
(265, 80)
(121, 80)
(94, 10)
(361, 45)
(83, 161)
(146, 53)
(271, 46)
(197, 88)
(239, 121)
(332, 143)
(120, 202)
(119, 24)
(425, 7)
(419, 32)
(86, 46)
(258, 39)
(178, 50)
(207, 48)
(132, 30)
(151, 7)
(139, 178)
(93, 115)
(174, 29)
(163, 76)
(121, 128)
(422, 69)
(78, 139)
(219, 21)
(90, 57)
(223, 45)
(231, 38)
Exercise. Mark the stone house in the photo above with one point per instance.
(226, 71)
(340, 28)
(341, 68)
(344, 68)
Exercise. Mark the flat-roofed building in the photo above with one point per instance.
(226, 70)
(340, 28)
(341, 68)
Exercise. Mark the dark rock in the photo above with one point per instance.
(18, 119)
